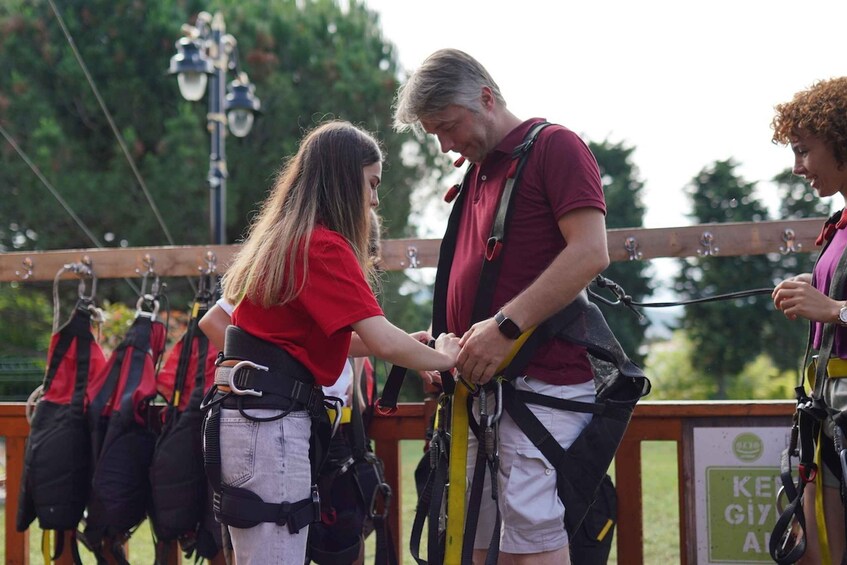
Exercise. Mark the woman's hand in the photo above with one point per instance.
(797, 298)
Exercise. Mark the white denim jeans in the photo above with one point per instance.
(272, 460)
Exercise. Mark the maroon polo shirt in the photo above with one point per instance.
(560, 175)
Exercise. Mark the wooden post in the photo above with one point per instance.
(17, 543)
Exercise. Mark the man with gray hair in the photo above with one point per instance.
(556, 246)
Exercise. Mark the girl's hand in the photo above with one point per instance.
(448, 344)
(422, 336)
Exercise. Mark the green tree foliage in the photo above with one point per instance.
(623, 190)
(676, 375)
(27, 319)
(727, 334)
(310, 61)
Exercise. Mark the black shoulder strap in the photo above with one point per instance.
(490, 270)
(491, 265)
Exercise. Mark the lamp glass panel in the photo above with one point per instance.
(192, 85)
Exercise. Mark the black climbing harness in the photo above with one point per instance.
(265, 376)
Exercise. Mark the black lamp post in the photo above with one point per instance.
(203, 58)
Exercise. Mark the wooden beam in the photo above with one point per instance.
(625, 244)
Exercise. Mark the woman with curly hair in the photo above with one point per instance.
(814, 124)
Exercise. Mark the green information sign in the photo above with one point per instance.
(741, 513)
(736, 479)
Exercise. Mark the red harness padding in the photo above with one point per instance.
(57, 463)
(187, 364)
(122, 440)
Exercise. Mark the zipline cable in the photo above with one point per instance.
(52, 190)
(623, 298)
(108, 115)
(34, 168)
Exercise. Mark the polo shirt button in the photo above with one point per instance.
(483, 177)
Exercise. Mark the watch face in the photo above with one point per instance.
(508, 328)
(842, 315)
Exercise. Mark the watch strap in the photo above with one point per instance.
(507, 327)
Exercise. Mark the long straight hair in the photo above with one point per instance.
(322, 184)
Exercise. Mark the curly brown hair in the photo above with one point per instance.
(821, 111)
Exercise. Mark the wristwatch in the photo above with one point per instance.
(842, 316)
(507, 327)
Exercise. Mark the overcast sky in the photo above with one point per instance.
(685, 83)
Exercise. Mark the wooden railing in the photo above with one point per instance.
(652, 421)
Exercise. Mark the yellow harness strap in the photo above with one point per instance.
(46, 545)
(345, 414)
(836, 368)
(820, 516)
(457, 468)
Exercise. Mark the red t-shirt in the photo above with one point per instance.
(315, 327)
(560, 175)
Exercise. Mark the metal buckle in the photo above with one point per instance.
(244, 391)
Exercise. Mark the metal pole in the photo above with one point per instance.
(216, 120)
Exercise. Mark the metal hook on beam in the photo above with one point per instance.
(27, 270)
(412, 254)
(791, 243)
(631, 246)
(707, 240)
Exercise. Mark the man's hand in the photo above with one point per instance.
(483, 350)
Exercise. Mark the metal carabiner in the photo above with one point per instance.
(81, 288)
(492, 419)
(231, 379)
(147, 299)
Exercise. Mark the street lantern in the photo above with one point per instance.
(203, 58)
(241, 106)
(191, 67)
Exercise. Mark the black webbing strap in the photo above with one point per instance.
(431, 494)
(184, 361)
(242, 508)
(386, 553)
(491, 462)
(491, 266)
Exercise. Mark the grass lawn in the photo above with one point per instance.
(660, 506)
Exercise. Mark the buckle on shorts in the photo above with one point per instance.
(234, 371)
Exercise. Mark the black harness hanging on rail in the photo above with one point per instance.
(580, 469)
(56, 478)
(123, 437)
(181, 507)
